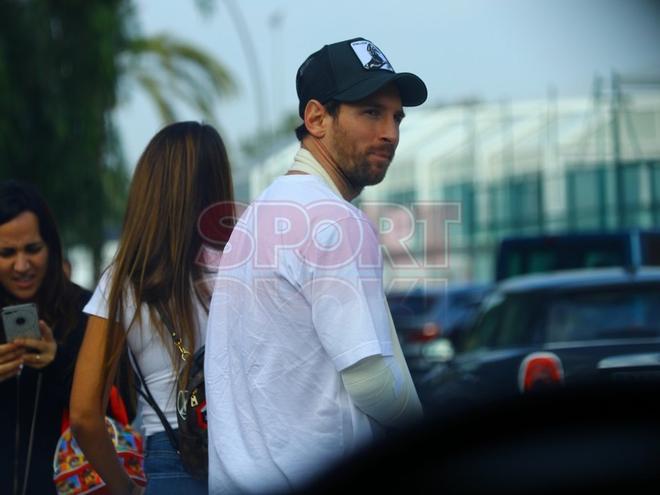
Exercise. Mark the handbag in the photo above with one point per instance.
(74, 475)
(191, 417)
(191, 442)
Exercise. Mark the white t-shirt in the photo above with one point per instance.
(152, 356)
(298, 298)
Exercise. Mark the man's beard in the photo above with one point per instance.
(357, 168)
(365, 174)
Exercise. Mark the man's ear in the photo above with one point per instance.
(316, 118)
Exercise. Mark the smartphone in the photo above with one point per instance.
(21, 321)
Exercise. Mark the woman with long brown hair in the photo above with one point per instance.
(182, 172)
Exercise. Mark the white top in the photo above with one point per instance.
(298, 298)
(152, 356)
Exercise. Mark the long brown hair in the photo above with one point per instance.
(183, 170)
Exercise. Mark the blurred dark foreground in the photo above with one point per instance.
(582, 439)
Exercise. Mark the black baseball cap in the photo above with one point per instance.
(351, 70)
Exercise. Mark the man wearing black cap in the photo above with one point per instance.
(351, 75)
(303, 365)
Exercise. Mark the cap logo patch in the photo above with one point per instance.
(370, 55)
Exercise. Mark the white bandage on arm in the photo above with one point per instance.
(382, 388)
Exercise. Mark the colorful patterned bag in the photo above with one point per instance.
(73, 474)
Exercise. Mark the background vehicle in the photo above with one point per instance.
(582, 326)
(523, 255)
(438, 316)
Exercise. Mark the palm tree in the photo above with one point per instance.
(61, 65)
(172, 71)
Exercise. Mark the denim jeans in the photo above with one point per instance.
(165, 472)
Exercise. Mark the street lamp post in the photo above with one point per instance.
(252, 61)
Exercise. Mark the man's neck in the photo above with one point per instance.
(322, 155)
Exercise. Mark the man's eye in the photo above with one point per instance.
(6, 253)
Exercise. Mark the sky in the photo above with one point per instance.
(493, 50)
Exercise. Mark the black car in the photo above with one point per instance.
(436, 316)
(539, 331)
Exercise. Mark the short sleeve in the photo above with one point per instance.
(98, 303)
(345, 289)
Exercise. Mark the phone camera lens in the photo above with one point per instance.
(20, 320)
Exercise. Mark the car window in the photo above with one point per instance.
(509, 321)
(650, 248)
(519, 318)
(603, 315)
(563, 252)
(483, 333)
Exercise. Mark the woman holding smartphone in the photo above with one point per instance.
(35, 373)
(183, 171)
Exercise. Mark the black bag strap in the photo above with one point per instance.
(143, 390)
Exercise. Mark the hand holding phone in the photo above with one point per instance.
(21, 322)
(24, 329)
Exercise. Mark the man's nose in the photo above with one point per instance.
(390, 131)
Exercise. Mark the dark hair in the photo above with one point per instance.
(57, 298)
(332, 107)
(183, 170)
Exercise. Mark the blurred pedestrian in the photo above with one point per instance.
(183, 170)
(35, 374)
(303, 365)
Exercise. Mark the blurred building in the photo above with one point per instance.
(482, 171)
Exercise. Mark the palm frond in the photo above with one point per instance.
(155, 91)
(175, 71)
(171, 52)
